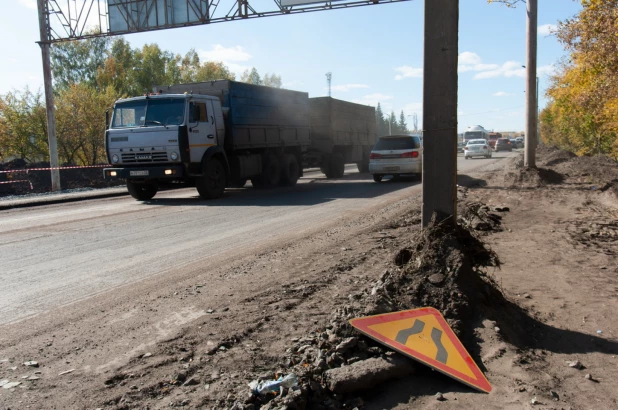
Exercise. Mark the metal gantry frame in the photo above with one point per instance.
(81, 19)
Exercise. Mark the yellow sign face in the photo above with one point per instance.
(424, 335)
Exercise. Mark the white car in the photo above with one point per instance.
(396, 155)
(477, 148)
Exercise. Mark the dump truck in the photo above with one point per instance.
(221, 134)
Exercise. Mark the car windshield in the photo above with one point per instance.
(477, 142)
(148, 112)
(397, 143)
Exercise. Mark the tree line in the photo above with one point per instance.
(397, 125)
(582, 114)
(89, 75)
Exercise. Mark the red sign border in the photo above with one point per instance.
(362, 324)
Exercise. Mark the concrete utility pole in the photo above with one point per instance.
(531, 85)
(49, 95)
(440, 110)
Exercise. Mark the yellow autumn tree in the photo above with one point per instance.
(582, 114)
(80, 123)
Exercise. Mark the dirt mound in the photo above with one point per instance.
(444, 268)
(551, 156)
(518, 176)
(595, 170)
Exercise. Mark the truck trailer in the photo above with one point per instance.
(219, 134)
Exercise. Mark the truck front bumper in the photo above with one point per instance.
(159, 172)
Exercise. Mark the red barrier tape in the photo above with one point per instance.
(15, 182)
(49, 169)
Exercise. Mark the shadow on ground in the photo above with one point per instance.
(317, 191)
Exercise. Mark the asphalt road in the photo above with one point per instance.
(58, 254)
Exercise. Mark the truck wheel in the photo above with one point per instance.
(363, 166)
(212, 184)
(271, 173)
(336, 168)
(325, 168)
(290, 171)
(142, 191)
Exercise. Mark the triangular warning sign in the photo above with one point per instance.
(424, 335)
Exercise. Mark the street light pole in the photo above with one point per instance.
(531, 85)
(440, 111)
(49, 96)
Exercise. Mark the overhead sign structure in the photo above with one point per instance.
(424, 335)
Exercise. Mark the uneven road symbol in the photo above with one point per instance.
(424, 335)
(436, 335)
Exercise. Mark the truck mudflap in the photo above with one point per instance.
(159, 172)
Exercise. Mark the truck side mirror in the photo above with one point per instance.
(107, 124)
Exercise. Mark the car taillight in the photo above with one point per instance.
(410, 154)
(373, 155)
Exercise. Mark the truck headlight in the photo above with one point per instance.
(115, 159)
(174, 156)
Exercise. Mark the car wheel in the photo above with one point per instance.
(466, 157)
(377, 178)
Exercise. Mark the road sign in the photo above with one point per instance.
(424, 335)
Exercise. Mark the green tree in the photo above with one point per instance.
(23, 126)
(403, 127)
(272, 80)
(75, 62)
(211, 70)
(251, 76)
(81, 123)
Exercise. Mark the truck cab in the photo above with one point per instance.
(165, 139)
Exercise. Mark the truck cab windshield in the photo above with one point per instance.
(149, 112)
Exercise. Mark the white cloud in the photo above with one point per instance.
(31, 4)
(546, 29)
(501, 94)
(546, 70)
(407, 71)
(348, 87)
(469, 61)
(230, 56)
(374, 99)
(469, 58)
(508, 69)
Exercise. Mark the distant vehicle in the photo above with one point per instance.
(503, 144)
(493, 137)
(476, 132)
(477, 148)
(515, 143)
(396, 155)
(460, 147)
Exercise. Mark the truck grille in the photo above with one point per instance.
(151, 156)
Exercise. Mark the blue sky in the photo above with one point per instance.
(375, 53)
